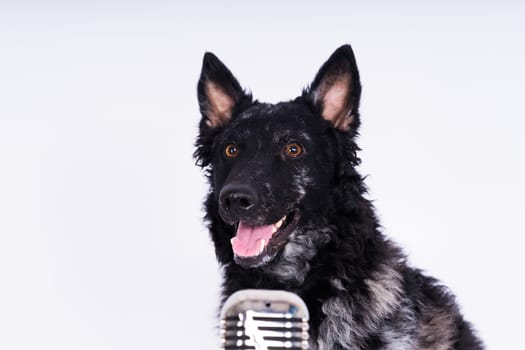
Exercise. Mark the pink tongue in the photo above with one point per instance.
(247, 242)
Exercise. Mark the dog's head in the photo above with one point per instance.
(275, 169)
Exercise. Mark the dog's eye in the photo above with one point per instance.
(293, 150)
(231, 150)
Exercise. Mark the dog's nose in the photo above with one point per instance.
(237, 199)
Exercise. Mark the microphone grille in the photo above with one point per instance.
(264, 320)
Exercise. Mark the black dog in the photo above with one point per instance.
(287, 210)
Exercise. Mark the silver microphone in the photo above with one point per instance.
(260, 319)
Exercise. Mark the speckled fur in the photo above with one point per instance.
(360, 292)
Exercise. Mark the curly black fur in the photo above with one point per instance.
(360, 292)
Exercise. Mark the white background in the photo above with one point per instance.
(101, 243)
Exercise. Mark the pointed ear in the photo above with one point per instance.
(336, 90)
(218, 92)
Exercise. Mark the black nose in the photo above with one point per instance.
(237, 199)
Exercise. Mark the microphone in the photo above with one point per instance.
(260, 319)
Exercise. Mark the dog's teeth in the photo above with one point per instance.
(280, 222)
(274, 229)
(261, 247)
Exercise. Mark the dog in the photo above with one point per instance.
(287, 209)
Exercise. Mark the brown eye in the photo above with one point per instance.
(293, 150)
(231, 150)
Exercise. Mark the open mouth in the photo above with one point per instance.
(253, 245)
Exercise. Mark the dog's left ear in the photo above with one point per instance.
(218, 92)
(336, 90)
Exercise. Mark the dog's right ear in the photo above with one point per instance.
(218, 92)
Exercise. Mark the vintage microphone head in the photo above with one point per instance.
(262, 319)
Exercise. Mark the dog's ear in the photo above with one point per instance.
(336, 89)
(218, 92)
